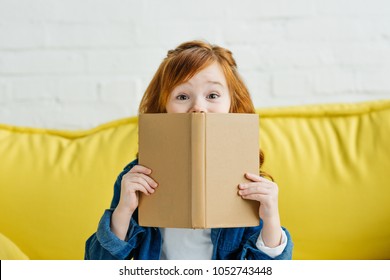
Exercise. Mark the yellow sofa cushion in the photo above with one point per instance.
(55, 185)
(331, 163)
(9, 250)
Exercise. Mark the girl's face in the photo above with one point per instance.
(205, 92)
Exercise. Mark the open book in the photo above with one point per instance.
(198, 160)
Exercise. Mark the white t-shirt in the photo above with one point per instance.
(195, 244)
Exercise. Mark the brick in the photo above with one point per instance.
(258, 84)
(118, 90)
(292, 83)
(42, 62)
(30, 113)
(31, 89)
(354, 8)
(291, 55)
(58, 89)
(247, 57)
(90, 114)
(334, 81)
(88, 35)
(276, 9)
(21, 36)
(132, 61)
(274, 56)
(375, 80)
(330, 29)
(362, 54)
(4, 93)
(85, 11)
(187, 10)
(172, 32)
(256, 33)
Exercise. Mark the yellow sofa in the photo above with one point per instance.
(331, 162)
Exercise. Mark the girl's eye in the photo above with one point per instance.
(182, 97)
(213, 96)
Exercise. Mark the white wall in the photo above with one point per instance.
(75, 64)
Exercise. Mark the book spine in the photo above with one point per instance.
(198, 176)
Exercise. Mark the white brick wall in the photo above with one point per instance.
(78, 63)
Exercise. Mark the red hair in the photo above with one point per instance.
(181, 64)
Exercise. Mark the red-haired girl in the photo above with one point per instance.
(194, 77)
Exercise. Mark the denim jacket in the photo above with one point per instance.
(145, 243)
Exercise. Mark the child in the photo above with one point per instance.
(194, 77)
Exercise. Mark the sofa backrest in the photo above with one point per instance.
(55, 185)
(331, 163)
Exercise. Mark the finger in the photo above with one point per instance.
(141, 188)
(253, 177)
(260, 187)
(246, 185)
(130, 179)
(256, 178)
(253, 190)
(148, 179)
(257, 197)
(140, 169)
(141, 181)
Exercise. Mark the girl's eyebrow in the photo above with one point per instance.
(215, 83)
(208, 82)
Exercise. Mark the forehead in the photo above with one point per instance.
(212, 73)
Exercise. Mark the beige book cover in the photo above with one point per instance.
(198, 160)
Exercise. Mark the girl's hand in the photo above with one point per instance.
(135, 181)
(266, 192)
